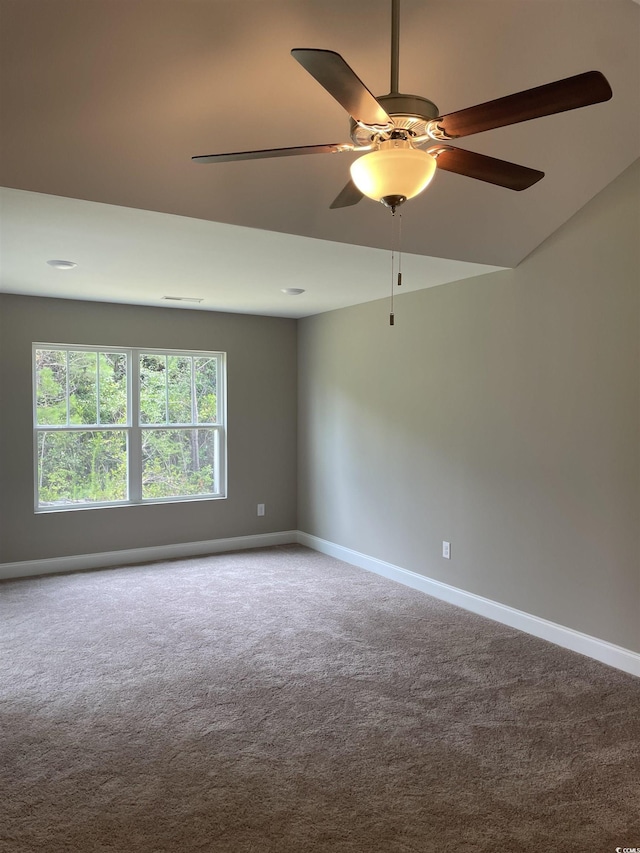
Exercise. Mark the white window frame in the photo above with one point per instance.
(133, 428)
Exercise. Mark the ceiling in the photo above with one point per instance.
(139, 256)
(104, 102)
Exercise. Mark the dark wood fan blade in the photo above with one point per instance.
(348, 195)
(333, 148)
(340, 81)
(569, 94)
(483, 168)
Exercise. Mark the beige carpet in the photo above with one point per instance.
(279, 701)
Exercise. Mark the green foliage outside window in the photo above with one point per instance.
(178, 442)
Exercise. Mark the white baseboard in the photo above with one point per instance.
(77, 562)
(592, 647)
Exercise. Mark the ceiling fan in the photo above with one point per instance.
(403, 138)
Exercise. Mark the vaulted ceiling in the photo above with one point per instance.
(105, 101)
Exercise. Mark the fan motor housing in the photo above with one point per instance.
(410, 113)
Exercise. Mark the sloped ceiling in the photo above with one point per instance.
(106, 101)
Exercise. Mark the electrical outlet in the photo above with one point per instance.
(260, 509)
(446, 550)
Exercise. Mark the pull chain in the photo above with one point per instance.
(399, 250)
(396, 240)
(391, 314)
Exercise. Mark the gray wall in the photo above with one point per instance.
(261, 426)
(500, 413)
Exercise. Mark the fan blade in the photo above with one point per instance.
(340, 81)
(569, 94)
(348, 195)
(333, 148)
(483, 168)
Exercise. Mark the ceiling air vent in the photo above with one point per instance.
(182, 299)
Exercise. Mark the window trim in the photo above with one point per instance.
(133, 428)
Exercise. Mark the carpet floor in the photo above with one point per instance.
(280, 701)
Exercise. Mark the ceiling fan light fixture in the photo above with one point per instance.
(395, 170)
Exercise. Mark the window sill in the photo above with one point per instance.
(150, 502)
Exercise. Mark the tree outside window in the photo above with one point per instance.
(106, 435)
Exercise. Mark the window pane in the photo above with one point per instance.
(206, 389)
(83, 391)
(113, 388)
(51, 387)
(179, 378)
(177, 463)
(82, 467)
(153, 389)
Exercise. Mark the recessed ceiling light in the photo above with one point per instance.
(292, 291)
(62, 265)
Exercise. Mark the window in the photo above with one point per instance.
(127, 426)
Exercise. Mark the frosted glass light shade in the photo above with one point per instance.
(393, 172)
